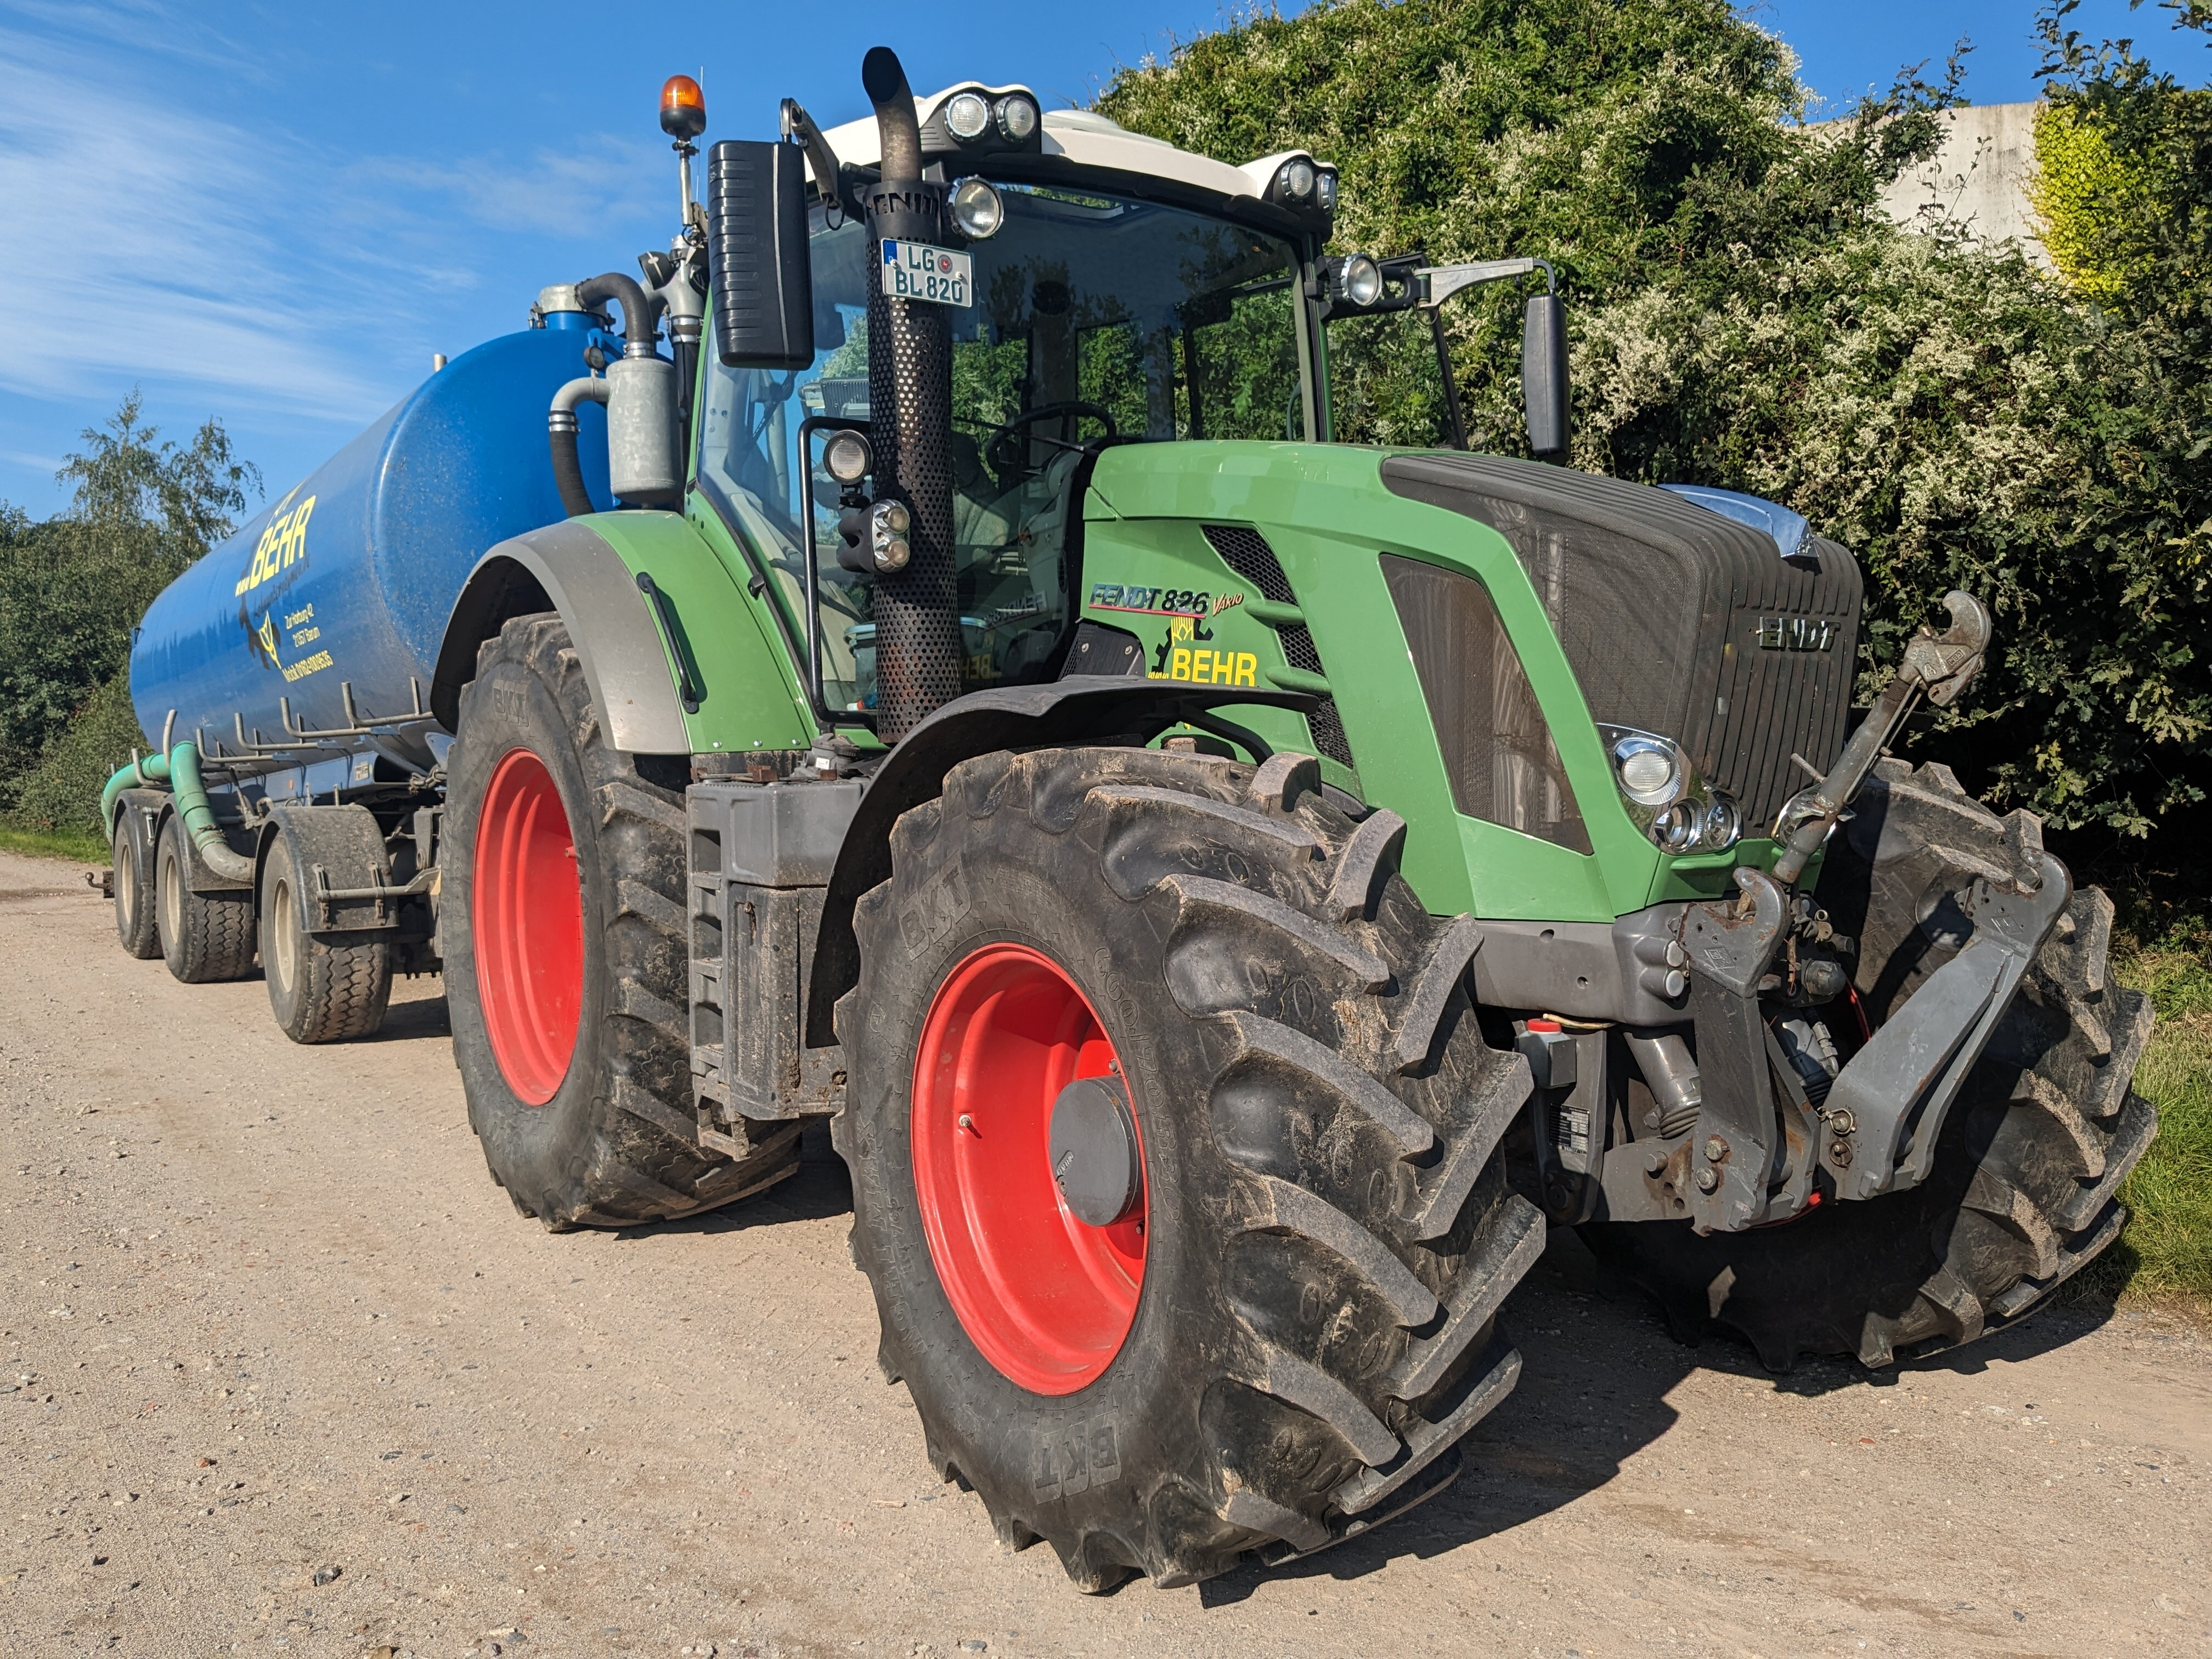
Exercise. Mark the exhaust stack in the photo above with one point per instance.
(917, 613)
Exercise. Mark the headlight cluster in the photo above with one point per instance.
(1304, 185)
(1664, 794)
(971, 116)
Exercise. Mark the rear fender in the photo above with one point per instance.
(1083, 708)
(589, 570)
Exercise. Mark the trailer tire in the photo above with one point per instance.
(206, 938)
(569, 1024)
(322, 988)
(132, 859)
(1303, 1323)
(2019, 1199)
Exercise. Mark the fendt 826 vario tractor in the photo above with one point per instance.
(1229, 892)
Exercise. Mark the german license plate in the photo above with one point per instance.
(916, 271)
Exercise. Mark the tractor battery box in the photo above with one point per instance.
(759, 858)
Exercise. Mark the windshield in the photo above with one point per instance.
(1093, 316)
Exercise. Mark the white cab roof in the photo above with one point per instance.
(1083, 136)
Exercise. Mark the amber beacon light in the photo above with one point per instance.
(683, 108)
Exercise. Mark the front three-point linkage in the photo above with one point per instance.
(1753, 1164)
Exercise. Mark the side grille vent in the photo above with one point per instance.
(1245, 551)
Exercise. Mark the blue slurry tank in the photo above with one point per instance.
(352, 574)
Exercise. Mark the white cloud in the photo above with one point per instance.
(150, 241)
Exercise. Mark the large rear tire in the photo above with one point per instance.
(1292, 1322)
(205, 937)
(566, 953)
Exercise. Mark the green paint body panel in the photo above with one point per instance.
(752, 697)
(1329, 516)
(1327, 513)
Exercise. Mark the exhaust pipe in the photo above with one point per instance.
(917, 611)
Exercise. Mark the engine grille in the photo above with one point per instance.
(1675, 619)
(1245, 551)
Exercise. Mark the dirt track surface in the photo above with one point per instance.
(288, 1372)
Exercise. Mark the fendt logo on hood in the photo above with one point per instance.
(1795, 633)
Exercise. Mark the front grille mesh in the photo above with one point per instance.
(1245, 551)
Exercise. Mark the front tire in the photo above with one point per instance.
(567, 956)
(1285, 1348)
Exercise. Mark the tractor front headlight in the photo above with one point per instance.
(1669, 802)
(1650, 769)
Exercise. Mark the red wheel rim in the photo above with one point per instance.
(1045, 1298)
(526, 912)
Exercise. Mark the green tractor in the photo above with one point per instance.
(1230, 892)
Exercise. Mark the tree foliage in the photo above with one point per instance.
(1742, 312)
(73, 587)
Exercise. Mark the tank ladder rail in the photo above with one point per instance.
(355, 725)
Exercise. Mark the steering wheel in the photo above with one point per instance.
(1008, 454)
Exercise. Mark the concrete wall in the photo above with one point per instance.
(1979, 175)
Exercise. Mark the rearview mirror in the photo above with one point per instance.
(1544, 373)
(758, 258)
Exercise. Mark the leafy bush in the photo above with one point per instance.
(72, 588)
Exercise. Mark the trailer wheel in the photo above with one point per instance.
(322, 988)
(1173, 1140)
(132, 857)
(567, 954)
(205, 937)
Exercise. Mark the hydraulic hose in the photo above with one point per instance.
(561, 432)
(639, 311)
(181, 769)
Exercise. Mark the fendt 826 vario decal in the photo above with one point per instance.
(914, 657)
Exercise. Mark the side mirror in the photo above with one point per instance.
(1544, 373)
(757, 256)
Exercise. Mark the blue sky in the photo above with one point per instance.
(275, 214)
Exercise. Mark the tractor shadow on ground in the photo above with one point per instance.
(414, 1019)
(822, 1189)
(1598, 1365)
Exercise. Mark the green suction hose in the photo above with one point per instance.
(181, 769)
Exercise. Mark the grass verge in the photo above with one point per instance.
(76, 845)
(2165, 1254)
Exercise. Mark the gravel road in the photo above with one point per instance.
(285, 1371)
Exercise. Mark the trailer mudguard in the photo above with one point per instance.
(1104, 708)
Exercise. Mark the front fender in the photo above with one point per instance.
(1089, 708)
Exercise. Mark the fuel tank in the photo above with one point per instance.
(350, 576)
